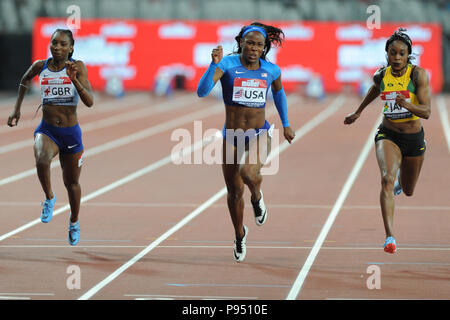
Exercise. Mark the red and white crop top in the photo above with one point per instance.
(57, 88)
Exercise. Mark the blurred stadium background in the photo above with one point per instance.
(160, 45)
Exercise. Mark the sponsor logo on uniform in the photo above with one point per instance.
(250, 92)
(393, 110)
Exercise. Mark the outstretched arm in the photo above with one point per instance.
(371, 95)
(24, 85)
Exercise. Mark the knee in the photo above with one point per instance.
(249, 175)
(235, 194)
(387, 182)
(408, 192)
(42, 159)
(72, 186)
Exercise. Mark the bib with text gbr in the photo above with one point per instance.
(57, 88)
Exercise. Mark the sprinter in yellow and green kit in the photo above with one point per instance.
(399, 142)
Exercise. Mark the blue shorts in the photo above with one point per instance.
(68, 139)
(235, 136)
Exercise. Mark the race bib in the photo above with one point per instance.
(250, 92)
(392, 110)
(57, 90)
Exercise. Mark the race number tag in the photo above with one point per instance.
(392, 110)
(57, 90)
(250, 92)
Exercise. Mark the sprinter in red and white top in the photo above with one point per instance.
(63, 81)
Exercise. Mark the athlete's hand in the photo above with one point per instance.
(351, 118)
(15, 115)
(289, 134)
(72, 69)
(217, 54)
(400, 100)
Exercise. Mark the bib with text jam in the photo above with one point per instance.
(390, 86)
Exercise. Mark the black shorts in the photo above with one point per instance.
(410, 144)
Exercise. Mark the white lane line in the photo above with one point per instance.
(14, 298)
(21, 295)
(26, 294)
(334, 106)
(7, 105)
(443, 115)
(306, 128)
(154, 244)
(16, 145)
(154, 166)
(110, 121)
(171, 124)
(298, 283)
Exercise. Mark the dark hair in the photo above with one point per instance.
(68, 33)
(275, 36)
(403, 37)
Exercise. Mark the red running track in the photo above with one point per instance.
(135, 244)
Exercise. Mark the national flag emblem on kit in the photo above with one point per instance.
(390, 107)
(250, 92)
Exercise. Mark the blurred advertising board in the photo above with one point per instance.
(139, 51)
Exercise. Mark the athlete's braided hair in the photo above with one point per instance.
(275, 36)
(70, 35)
(403, 37)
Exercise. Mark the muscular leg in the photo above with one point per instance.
(389, 160)
(71, 175)
(250, 172)
(235, 188)
(237, 174)
(409, 173)
(45, 149)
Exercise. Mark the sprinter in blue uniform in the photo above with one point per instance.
(63, 81)
(246, 77)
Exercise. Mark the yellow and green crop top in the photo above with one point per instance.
(389, 87)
